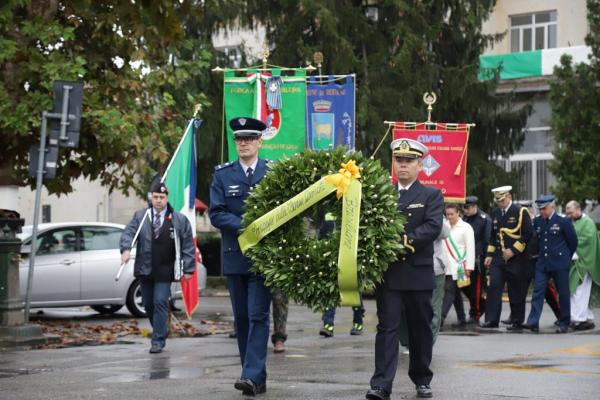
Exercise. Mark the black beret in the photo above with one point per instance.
(247, 127)
(159, 187)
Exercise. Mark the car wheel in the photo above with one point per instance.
(107, 308)
(134, 299)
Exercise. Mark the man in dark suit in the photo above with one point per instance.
(557, 243)
(507, 260)
(408, 283)
(482, 227)
(231, 185)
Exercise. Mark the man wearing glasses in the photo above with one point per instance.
(250, 299)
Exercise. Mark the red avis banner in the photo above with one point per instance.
(445, 166)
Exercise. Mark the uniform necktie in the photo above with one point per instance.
(401, 193)
(156, 226)
(249, 174)
(503, 212)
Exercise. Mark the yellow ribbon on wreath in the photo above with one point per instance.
(348, 187)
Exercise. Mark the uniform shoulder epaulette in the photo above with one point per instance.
(227, 164)
(483, 216)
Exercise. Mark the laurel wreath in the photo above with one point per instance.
(293, 259)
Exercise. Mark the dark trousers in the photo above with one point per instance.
(418, 310)
(551, 293)
(357, 314)
(452, 296)
(561, 280)
(475, 292)
(513, 275)
(155, 297)
(251, 301)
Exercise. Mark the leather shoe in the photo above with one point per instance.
(562, 329)
(488, 325)
(515, 328)
(507, 321)
(279, 347)
(377, 393)
(531, 327)
(424, 391)
(584, 326)
(460, 324)
(249, 388)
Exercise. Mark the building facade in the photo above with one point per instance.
(536, 34)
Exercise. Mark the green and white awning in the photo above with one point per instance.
(529, 64)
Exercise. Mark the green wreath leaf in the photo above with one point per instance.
(293, 259)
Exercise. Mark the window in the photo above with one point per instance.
(101, 238)
(59, 241)
(533, 31)
(46, 213)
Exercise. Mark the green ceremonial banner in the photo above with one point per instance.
(245, 96)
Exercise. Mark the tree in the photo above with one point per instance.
(414, 46)
(127, 55)
(575, 101)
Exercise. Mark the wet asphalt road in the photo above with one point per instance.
(467, 365)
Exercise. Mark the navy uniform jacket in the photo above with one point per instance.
(482, 227)
(423, 207)
(557, 242)
(511, 231)
(228, 192)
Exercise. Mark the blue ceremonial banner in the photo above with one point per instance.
(330, 105)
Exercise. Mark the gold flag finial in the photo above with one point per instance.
(197, 109)
(265, 54)
(318, 59)
(429, 99)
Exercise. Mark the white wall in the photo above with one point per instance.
(89, 201)
(571, 20)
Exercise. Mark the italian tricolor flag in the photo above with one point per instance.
(529, 64)
(180, 178)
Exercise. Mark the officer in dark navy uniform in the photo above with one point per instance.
(482, 228)
(408, 283)
(250, 298)
(507, 260)
(557, 243)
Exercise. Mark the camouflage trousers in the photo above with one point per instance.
(280, 313)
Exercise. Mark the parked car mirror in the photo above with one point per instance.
(25, 249)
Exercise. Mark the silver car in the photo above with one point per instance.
(76, 264)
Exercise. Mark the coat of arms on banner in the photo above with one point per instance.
(322, 125)
(273, 122)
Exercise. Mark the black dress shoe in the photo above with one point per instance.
(515, 328)
(249, 388)
(424, 391)
(377, 393)
(460, 324)
(488, 325)
(584, 326)
(562, 329)
(532, 328)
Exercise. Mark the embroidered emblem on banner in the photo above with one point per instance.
(322, 105)
(430, 165)
(273, 123)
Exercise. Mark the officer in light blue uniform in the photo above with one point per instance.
(557, 243)
(250, 299)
